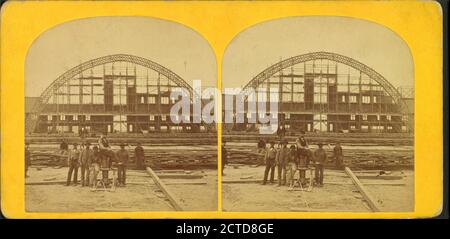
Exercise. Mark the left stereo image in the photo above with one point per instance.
(112, 120)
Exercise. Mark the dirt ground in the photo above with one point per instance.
(140, 194)
(343, 197)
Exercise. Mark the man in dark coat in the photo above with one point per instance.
(291, 167)
(64, 146)
(320, 157)
(338, 156)
(282, 158)
(73, 163)
(281, 132)
(269, 159)
(261, 145)
(122, 160)
(86, 158)
(105, 148)
(94, 167)
(140, 156)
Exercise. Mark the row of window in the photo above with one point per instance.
(365, 99)
(249, 115)
(330, 127)
(116, 118)
(323, 98)
(120, 128)
(352, 117)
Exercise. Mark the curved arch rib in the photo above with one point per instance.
(47, 93)
(270, 71)
(45, 96)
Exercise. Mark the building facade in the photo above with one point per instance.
(113, 94)
(328, 92)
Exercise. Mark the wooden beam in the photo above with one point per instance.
(379, 184)
(171, 183)
(383, 177)
(178, 176)
(172, 199)
(373, 204)
(242, 181)
(367, 176)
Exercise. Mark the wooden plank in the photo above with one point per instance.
(242, 181)
(367, 176)
(186, 183)
(381, 183)
(172, 199)
(170, 171)
(383, 177)
(373, 204)
(170, 183)
(179, 176)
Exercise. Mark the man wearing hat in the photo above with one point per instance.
(269, 159)
(94, 166)
(282, 158)
(337, 151)
(122, 159)
(73, 160)
(302, 142)
(140, 156)
(105, 148)
(320, 157)
(86, 159)
(292, 163)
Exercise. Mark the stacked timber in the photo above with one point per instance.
(365, 158)
(133, 139)
(396, 139)
(157, 158)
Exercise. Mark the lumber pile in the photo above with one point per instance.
(356, 158)
(151, 138)
(394, 139)
(158, 158)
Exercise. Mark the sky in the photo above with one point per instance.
(67, 45)
(264, 44)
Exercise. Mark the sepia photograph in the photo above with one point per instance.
(324, 118)
(100, 134)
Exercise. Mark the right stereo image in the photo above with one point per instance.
(318, 116)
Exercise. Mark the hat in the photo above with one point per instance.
(122, 145)
(320, 144)
(284, 141)
(272, 142)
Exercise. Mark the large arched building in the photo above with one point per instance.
(115, 93)
(328, 92)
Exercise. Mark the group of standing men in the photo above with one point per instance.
(297, 157)
(93, 160)
(100, 158)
